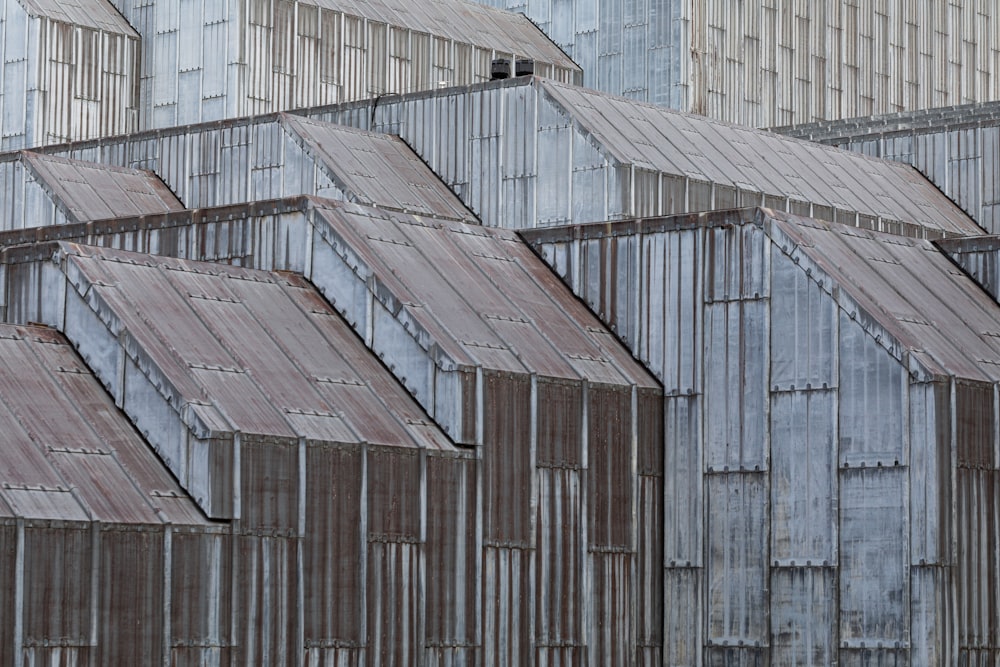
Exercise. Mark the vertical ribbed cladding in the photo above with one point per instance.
(561, 569)
(11, 607)
(451, 622)
(649, 526)
(201, 601)
(131, 605)
(508, 557)
(57, 615)
(335, 554)
(977, 484)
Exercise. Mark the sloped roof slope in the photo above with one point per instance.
(88, 191)
(68, 452)
(671, 142)
(945, 321)
(376, 169)
(249, 351)
(96, 14)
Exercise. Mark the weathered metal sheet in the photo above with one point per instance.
(266, 595)
(58, 605)
(201, 606)
(88, 191)
(506, 624)
(97, 14)
(803, 613)
(507, 459)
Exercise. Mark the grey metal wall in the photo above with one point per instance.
(62, 82)
(777, 62)
(214, 60)
(826, 496)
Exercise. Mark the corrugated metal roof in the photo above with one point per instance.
(97, 14)
(943, 319)
(376, 169)
(460, 21)
(658, 139)
(482, 296)
(88, 191)
(261, 352)
(69, 453)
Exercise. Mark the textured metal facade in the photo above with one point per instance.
(957, 148)
(777, 62)
(68, 73)
(287, 54)
(830, 459)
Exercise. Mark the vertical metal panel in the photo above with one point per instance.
(396, 595)
(266, 600)
(977, 580)
(737, 542)
(872, 398)
(804, 616)
(269, 475)
(804, 482)
(683, 493)
(58, 603)
(933, 633)
(874, 548)
(11, 614)
(613, 623)
(683, 615)
(507, 459)
(930, 474)
(610, 480)
(131, 609)
(561, 595)
(452, 558)
(334, 588)
(394, 494)
(506, 629)
(200, 598)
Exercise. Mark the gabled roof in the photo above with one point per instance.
(96, 14)
(88, 191)
(248, 351)
(478, 294)
(376, 169)
(671, 142)
(68, 452)
(461, 21)
(941, 316)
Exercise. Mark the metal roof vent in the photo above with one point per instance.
(500, 69)
(524, 67)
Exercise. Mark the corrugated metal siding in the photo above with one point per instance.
(284, 54)
(825, 527)
(66, 76)
(771, 63)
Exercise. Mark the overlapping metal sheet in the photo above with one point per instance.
(287, 54)
(778, 62)
(814, 528)
(547, 154)
(70, 72)
(957, 148)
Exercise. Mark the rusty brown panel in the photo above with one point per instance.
(199, 656)
(267, 600)
(221, 460)
(975, 424)
(650, 432)
(469, 425)
(451, 552)
(394, 498)
(507, 457)
(57, 603)
(978, 583)
(8, 589)
(506, 614)
(609, 444)
(943, 421)
(649, 581)
(395, 609)
(333, 585)
(130, 626)
(560, 593)
(560, 423)
(201, 588)
(612, 635)
(269, 468)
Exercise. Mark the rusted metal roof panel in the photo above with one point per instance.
(96, 14)
(666, 141)
(89, 191)
(912, 290)
(70, 455)
(376, 169)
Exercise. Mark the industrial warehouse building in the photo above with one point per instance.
(492, 372)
